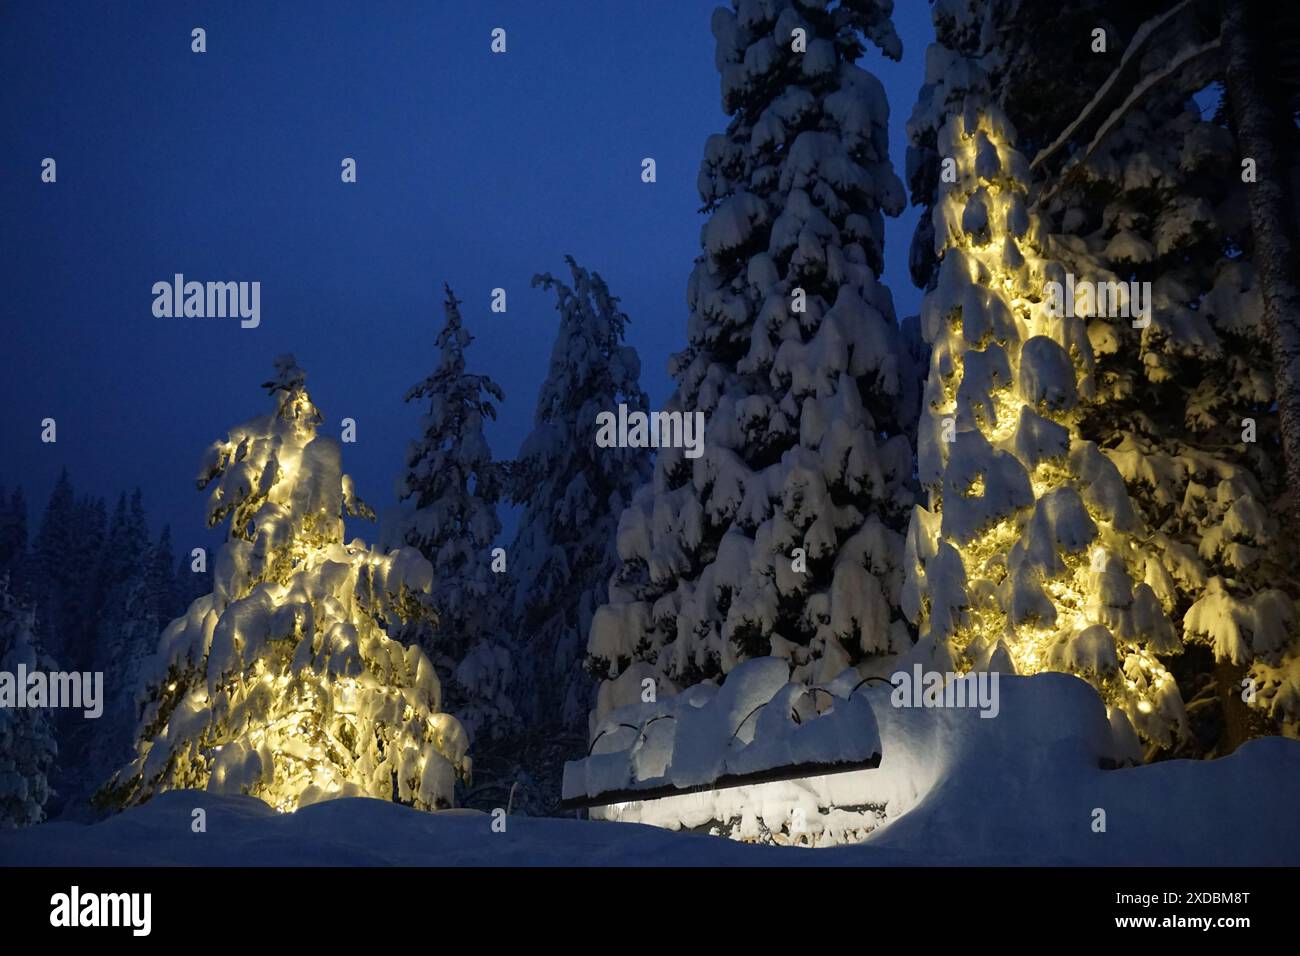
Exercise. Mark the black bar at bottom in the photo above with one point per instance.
(238, 906)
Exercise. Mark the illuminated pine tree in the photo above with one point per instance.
(1030, 555)
(1143, 174)
(282, 683)
(784, 537)
(1186, 406)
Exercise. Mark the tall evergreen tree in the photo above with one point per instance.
(283, 683)
(27, 735)
(573, 493)
(64, 578)
(126, 550)
(166, 597)
(785, 536)
(126, 639)
(58, 565)
(13, 529)
(1030, 553)
(126, 635)
(453, 484)
(95, 569)
(1152, 191)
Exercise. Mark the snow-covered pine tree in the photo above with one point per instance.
(85, 590)
(167, 601)
(282, 683)
(126, 637)
(1030, 554)
(27, 736)
(113, 604)
(13, 529)
(785, 536)
(454, 485)
(126, 545)
(63, 581)
(58, 567)
(573, 493)
(1185, 405)
(127, 626)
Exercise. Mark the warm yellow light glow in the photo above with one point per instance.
(1075, 586)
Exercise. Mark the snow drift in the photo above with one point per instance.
(1023, 788)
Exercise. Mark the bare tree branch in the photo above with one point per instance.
(1144, 32)
(1150, 80)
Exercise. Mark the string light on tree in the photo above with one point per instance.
(283, 683)
(1030, 555)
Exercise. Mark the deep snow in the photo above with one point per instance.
(1020, 788)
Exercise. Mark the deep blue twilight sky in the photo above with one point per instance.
(473, 168)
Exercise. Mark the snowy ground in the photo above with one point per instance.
(1021, 788)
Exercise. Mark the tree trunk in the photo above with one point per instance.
(1240, 721)
(1258, 135)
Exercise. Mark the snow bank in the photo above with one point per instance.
(1027, 786)
(958, 789)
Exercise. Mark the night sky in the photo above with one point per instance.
(473, 168)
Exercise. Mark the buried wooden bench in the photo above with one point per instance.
(757, 728)
(725, 782)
